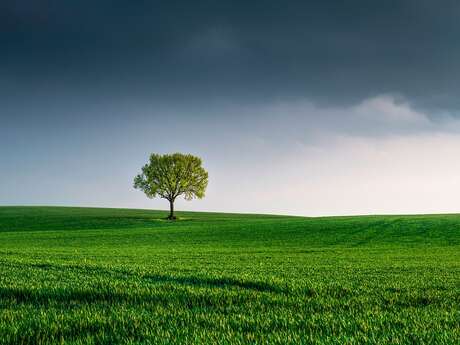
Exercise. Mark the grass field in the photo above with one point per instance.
(109, 276)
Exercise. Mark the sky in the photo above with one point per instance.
(297, 107)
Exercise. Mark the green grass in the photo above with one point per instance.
(108, 276)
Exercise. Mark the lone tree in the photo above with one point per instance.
(172, 175)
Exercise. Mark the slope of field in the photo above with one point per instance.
(108, 276)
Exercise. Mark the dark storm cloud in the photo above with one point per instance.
(326, 51)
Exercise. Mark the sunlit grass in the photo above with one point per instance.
(105, 276)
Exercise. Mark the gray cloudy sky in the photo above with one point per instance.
(300, 107)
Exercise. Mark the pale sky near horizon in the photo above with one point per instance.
(305, 108)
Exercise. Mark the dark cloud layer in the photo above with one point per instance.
(326, 51)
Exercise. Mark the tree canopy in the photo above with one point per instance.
(172, 175)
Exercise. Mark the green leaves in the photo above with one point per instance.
(172, 175)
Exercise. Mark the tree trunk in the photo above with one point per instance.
(171, 210)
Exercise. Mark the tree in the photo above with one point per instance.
(172, 175)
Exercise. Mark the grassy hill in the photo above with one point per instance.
(88, 275)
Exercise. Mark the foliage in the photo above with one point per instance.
(172, 175)
(112, 276)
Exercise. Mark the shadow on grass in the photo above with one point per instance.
(75, 297)
(104, 294)
(215, 282)
(212, 282)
